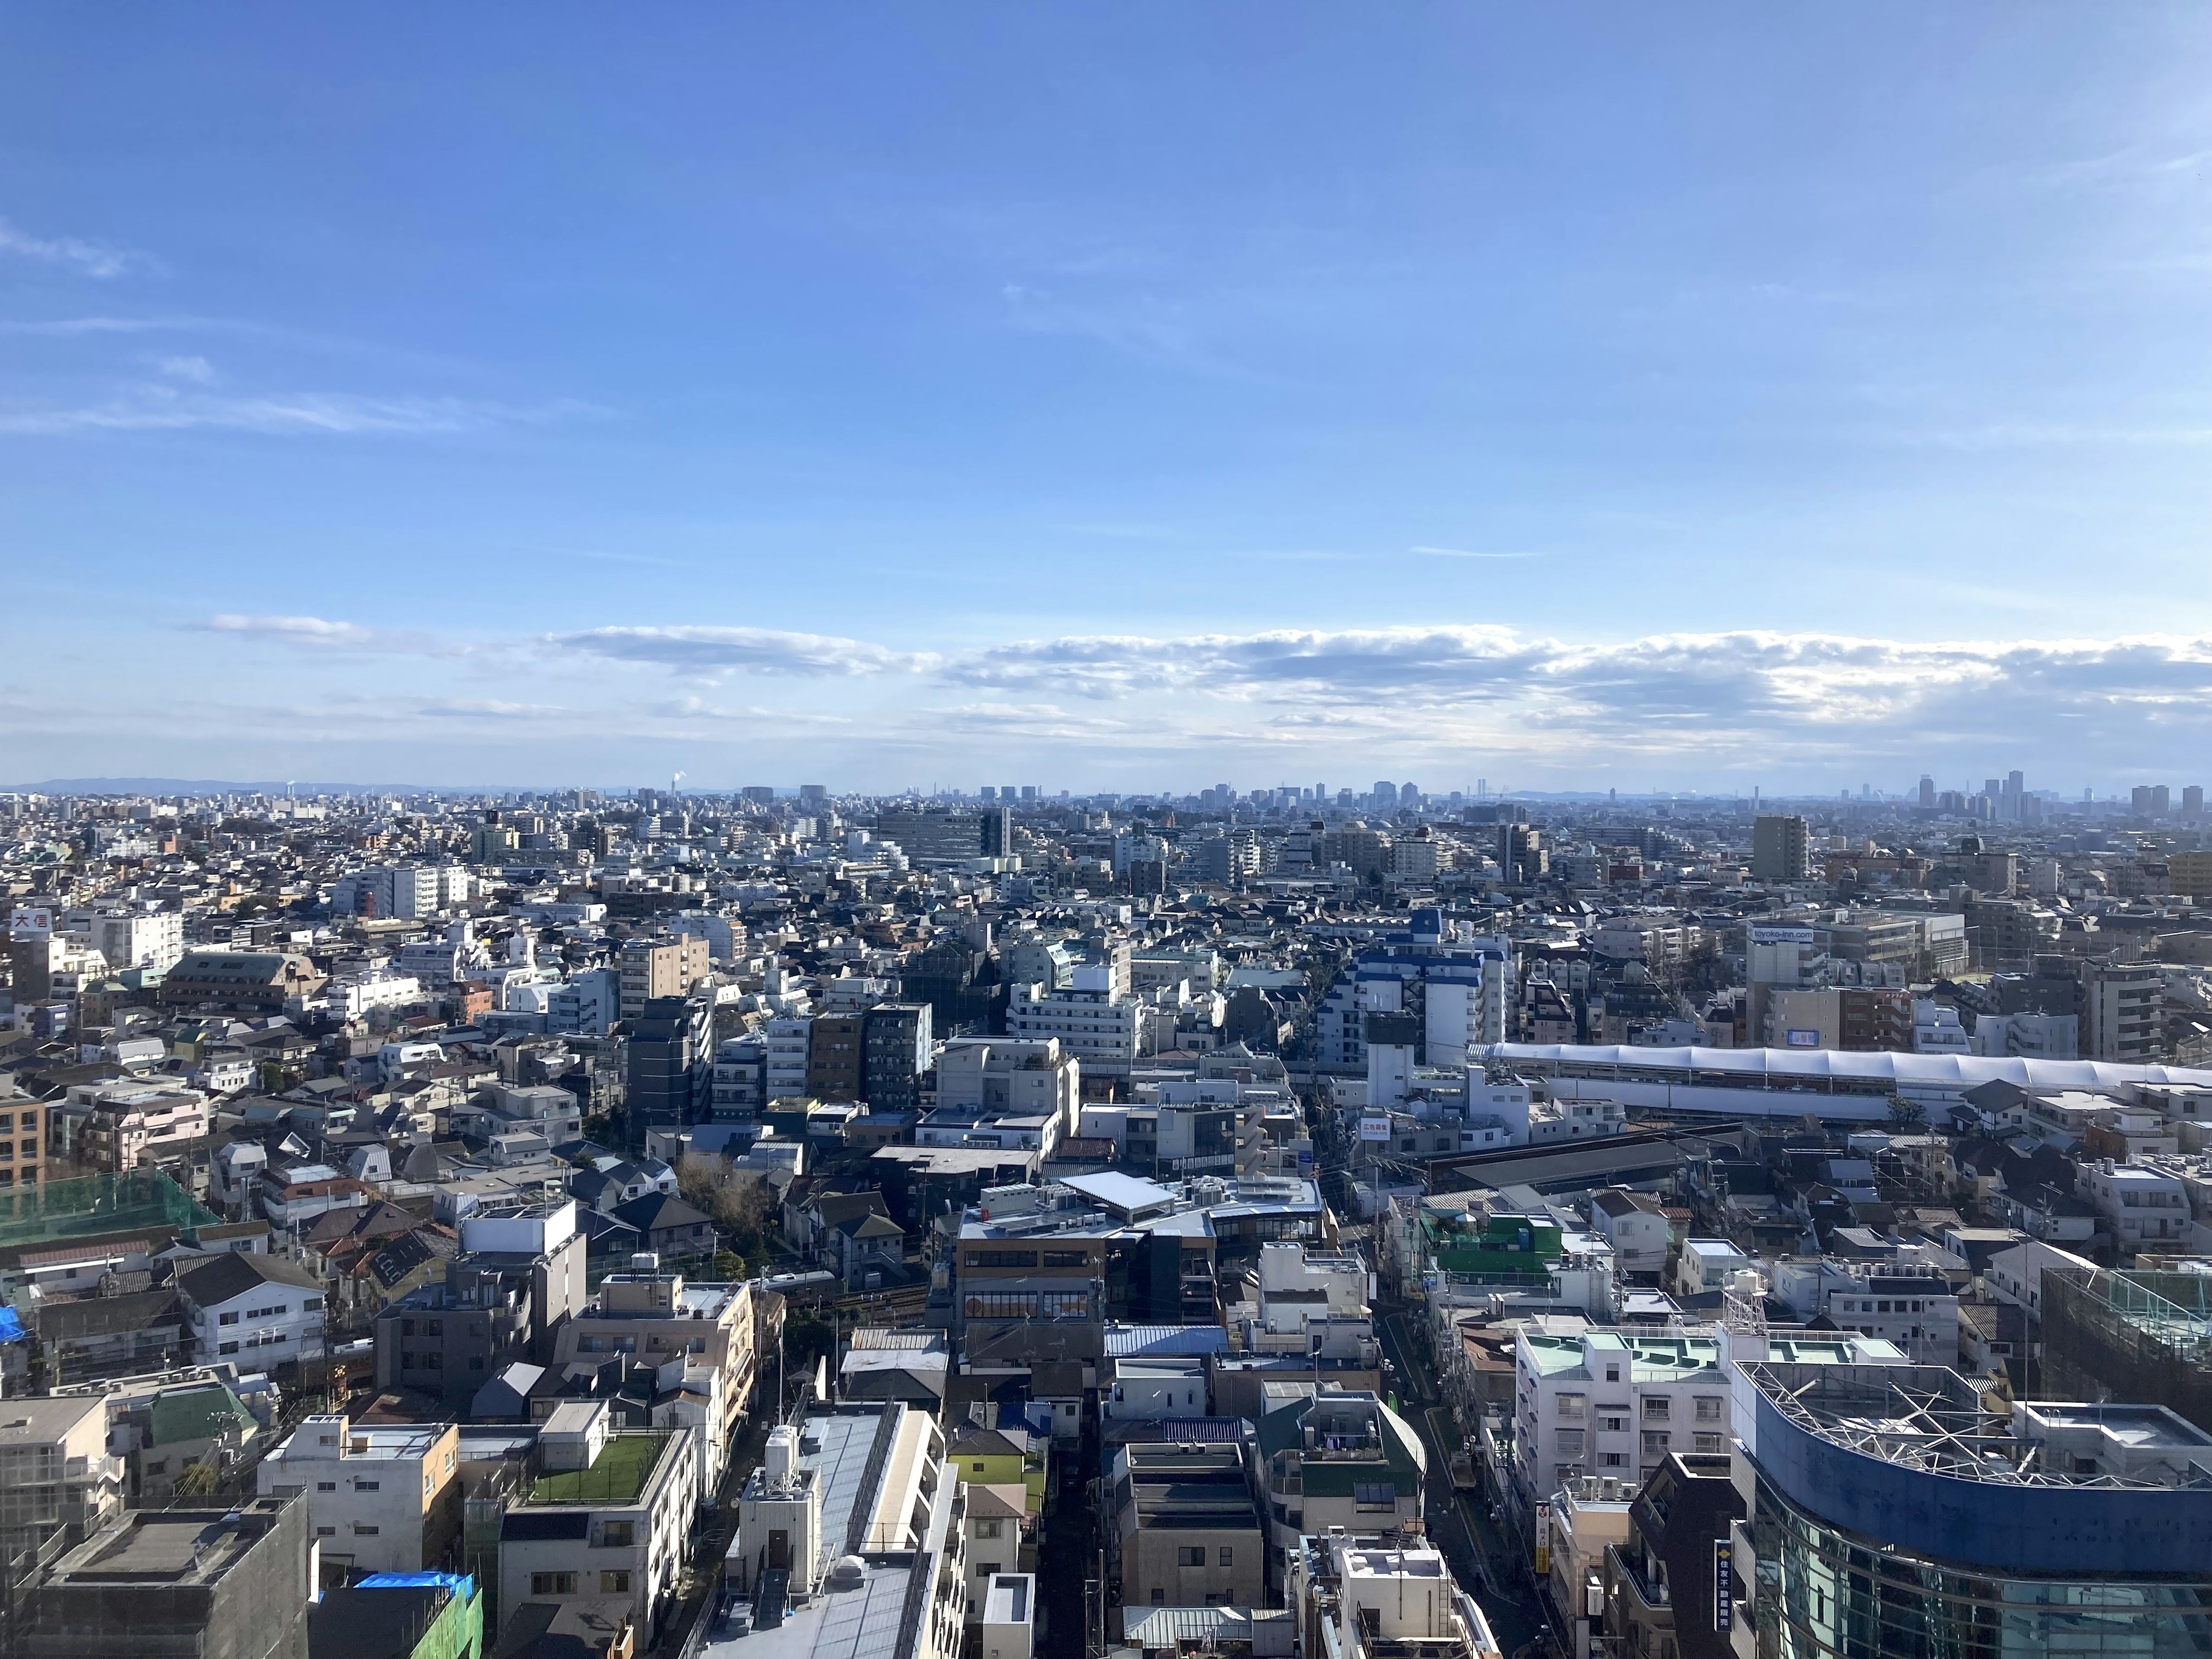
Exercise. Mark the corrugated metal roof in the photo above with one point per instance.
(1167, 1628)
(1153, 1341)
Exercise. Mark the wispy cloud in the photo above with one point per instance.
(95, 259)
(1467, 553)
(322, 633)
(746, 650)
(193, 367)
(489, 708)
(164, 408)
(70, 327)
(313, 630)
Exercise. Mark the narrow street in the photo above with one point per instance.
(1066, 1556)
(1479, 1557)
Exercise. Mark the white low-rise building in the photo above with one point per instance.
(380, 1497)
(258, 1311)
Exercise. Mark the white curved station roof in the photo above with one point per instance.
(1796, 1068)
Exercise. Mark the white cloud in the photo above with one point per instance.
(489, 708)
(1686, 709)
(746, 650)
(95, 259)
(312, 629)
(189, 367)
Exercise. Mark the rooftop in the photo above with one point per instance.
(157, 1548)
(1928, 1418)
(617, 1476)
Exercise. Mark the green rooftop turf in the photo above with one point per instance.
(617, 1475)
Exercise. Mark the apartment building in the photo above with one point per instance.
(1325, 1459)
(1011, 1076)
(379, 1497)
(1366, 1596)
(129, 1124)
(1189, 1531)
(516, 1281)
(647, 969)
(851, 1539)
(23, 1140)
(666, 1321)
(55, 1470)
(835, 1056)
(607, 1517)
(2138, 1206)
(1086, 1019)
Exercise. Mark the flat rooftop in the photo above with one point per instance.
(163, 1548)
(862, 1620)
(616, 1476)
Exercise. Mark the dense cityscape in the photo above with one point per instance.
(1290, 1221)
(1243, 830)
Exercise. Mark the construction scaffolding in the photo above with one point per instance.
(88, 1206)
(2142, 1337)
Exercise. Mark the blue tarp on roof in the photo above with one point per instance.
(460, 1584)
(11, 1326)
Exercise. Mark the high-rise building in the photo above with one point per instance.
(1927, 790)
(2192, 801)
(896, 1044)
(672, 1066)
(1781, 848)
(834, 1054)
(995, 838)
(2150, 800)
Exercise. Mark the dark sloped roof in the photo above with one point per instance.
(657, 1212)
(228, 1276)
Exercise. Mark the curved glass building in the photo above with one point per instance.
(1893, 1517)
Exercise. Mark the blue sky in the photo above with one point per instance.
(1108, 397)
